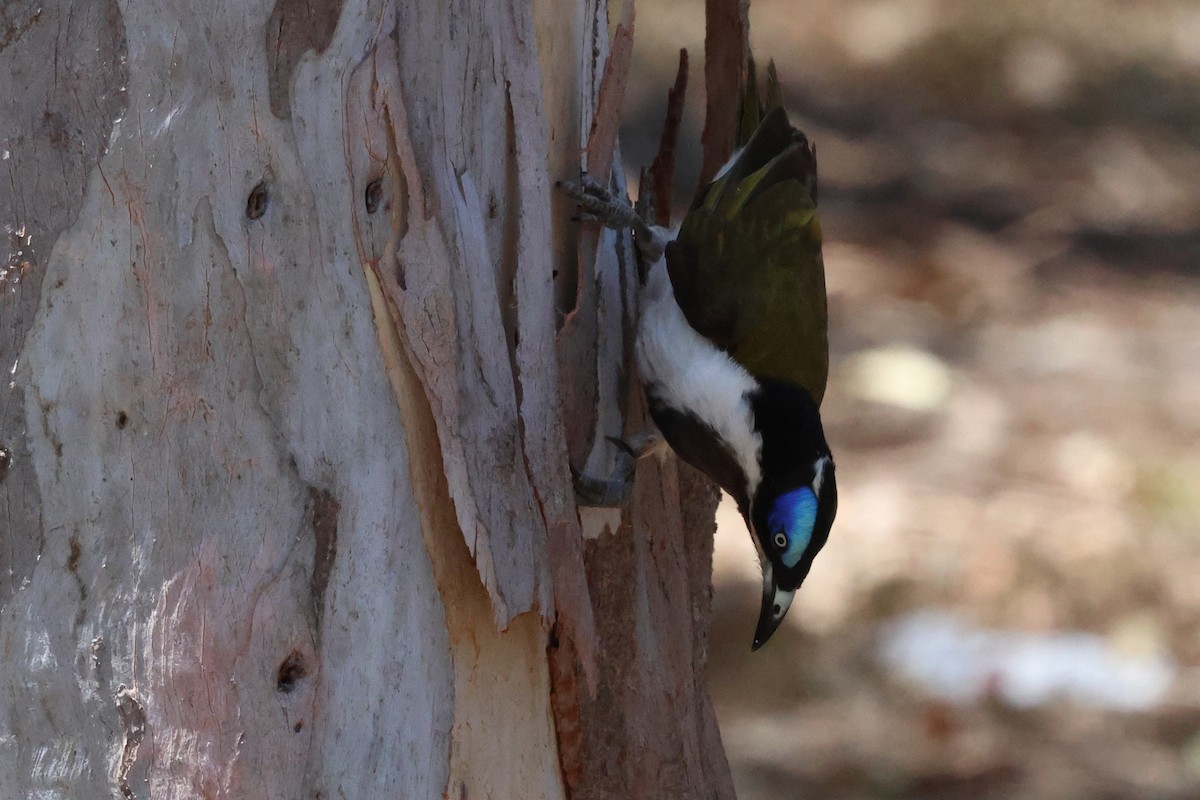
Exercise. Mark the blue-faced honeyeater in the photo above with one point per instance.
(732, 347)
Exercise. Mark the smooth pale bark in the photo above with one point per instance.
(285, 501)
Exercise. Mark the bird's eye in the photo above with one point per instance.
(792, 518)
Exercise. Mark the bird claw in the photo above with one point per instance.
(623, 446)
(598, 204)
(613, 491)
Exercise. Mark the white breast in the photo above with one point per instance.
(685, 371)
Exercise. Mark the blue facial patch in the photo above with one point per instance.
(794, 513)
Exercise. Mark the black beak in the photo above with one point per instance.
(775, 604)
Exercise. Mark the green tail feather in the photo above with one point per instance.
(755, 107)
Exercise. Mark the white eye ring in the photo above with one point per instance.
(780, 540)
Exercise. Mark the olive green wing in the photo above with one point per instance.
(746, 266)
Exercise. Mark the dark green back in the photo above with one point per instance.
(746, 267)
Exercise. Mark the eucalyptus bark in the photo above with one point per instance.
(302, 343)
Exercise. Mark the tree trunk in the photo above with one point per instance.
(298, 366)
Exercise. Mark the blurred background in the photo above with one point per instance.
(1009, 605)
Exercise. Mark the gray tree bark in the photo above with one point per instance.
(300, 344)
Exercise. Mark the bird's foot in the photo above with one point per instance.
(613, 492)
(598, 204)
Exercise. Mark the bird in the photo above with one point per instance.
(732, 349)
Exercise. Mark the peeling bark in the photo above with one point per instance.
(726, 61)
(285, 500)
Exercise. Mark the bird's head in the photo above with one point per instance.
(794, 504)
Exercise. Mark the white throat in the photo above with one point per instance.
(687, 372)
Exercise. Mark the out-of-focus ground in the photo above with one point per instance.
(1010, 194)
